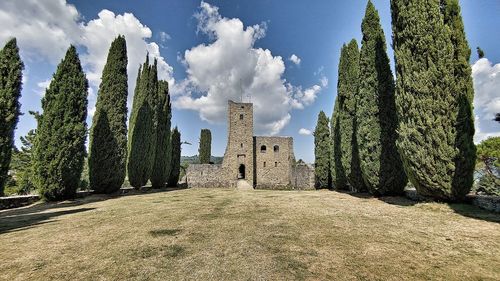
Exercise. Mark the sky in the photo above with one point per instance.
(281, 55)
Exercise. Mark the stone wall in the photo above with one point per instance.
(239, 149)
(273, 162)
(206, 176)
(303, 177)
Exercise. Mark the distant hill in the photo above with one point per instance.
(195, 160)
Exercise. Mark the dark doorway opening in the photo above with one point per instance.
(241, 172)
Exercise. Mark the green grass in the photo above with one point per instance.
(199, 234)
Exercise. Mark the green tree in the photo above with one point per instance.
(161, 165)
(23, 164)
(108, 134)
(480, 53)
(11, 76)
(205, 149)
(347, 91)
(463, 90)
(426, 98)
(175, 166)
(381, 165)
(142, 138)
(61, 132)
(338, 175)
(489, 148)
(322, 152)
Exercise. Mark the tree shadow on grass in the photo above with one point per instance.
(43, 206)
(471, 211)
(24, 221)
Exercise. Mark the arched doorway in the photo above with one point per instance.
(241, 172)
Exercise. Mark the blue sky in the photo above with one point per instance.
(211, 51)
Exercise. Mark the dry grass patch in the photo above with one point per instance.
(199, 234)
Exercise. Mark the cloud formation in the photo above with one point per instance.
(295, 59)
(231, 67)
(305, 132)
(45, 29)
(486, 77)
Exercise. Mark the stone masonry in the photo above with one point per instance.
(264, 162)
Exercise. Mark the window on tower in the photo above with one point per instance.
(241, 116)
(263, 148)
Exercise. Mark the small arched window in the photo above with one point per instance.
(276, 148)
(263, 148)
(241, 116)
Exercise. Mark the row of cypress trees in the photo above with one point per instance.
(59, 146)
(419, 128)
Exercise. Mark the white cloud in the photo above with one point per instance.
(230, 67)
(305, 132)
(486, 98)
(324, 81)
(42, 87)
(295, 59)
(164, 36)
(46, 28)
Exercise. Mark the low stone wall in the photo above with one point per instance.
(303, 177)
(205, 176)
(487, 202)
(17, 201)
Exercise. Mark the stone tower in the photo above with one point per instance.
(238, 158)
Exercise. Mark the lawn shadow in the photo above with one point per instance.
(397, 200)
(24, 221)
(472, 211)
(43, 206)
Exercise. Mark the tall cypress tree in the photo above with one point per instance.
(426, 100)
(62, 130)
(108, 135)
(175, 166)
(205, 149)
(381, 164)
(338, 176)
(11, 76)
(464, 91)
(347, 91)
(322, 149)
(161, 164)
(141, 138)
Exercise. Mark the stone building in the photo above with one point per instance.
(256, 161)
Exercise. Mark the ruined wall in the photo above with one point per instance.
(303, 177)
(205, 176)
(239, 149)
(274, 163)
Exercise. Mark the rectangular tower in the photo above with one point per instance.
(238, 158)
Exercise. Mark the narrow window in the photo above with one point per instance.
(276, 148)
(241, 116)
(264, 164)
(263, 149)
(242, 107)
(241, 145)
(275, 164)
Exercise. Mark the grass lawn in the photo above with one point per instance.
(198, 234)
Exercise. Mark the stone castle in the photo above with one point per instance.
(255, 161)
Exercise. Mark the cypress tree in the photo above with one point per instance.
(11, 76)
(338, 176)
(161, 165)
(205, 149)
(464, 90)
(426, 101)
(142, 139)
(60, 146)
(108, 135)
(380, 163)
(175, 165)
(347, 91)
(322, 149)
